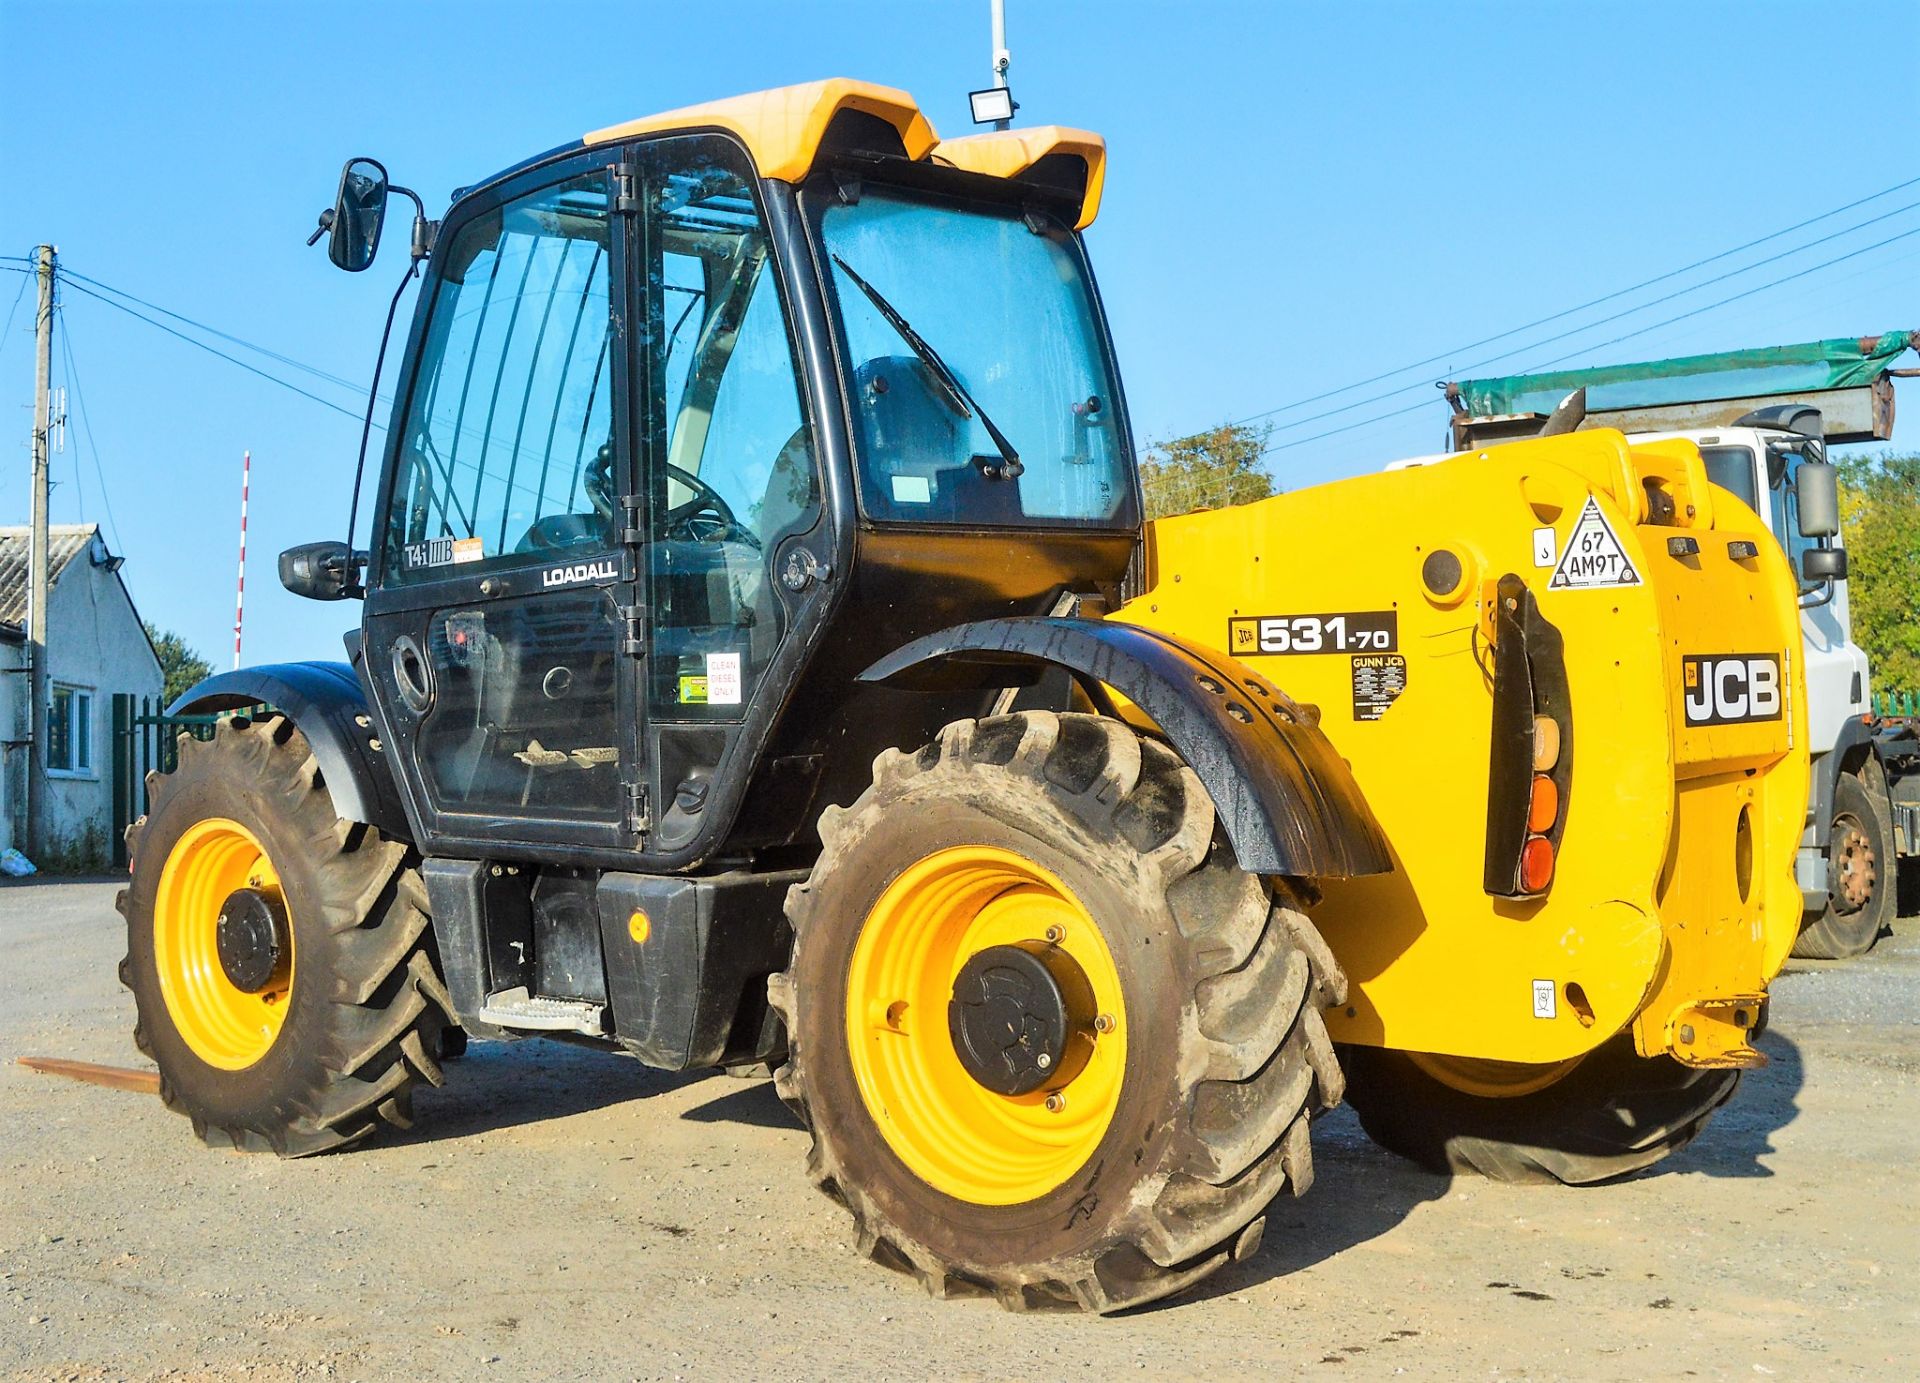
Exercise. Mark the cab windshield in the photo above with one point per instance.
(1009, 311)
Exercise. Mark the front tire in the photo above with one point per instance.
(1861, 865)
(1148, 1160)
(1600, 1116)
(310, 1031)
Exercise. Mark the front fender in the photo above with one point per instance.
(326, 702)
(1287, 800)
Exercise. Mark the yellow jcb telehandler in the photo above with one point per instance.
(731, 686)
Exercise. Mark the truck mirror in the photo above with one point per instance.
(321, 571)
(359, 211)
(1817, 488)
(1823, 564)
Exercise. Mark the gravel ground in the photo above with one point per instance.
(564, 1214)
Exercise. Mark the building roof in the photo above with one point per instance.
(66, 541)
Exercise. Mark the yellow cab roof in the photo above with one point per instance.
(783, 129)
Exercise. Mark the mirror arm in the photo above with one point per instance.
(424, 231)
(1813, 600)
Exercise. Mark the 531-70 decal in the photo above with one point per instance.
(1731, 688)
(1355, 631)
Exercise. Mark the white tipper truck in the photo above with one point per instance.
(1863, 812)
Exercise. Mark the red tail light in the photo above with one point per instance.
(1536, 864)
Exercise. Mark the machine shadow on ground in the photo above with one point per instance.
(500, 1085)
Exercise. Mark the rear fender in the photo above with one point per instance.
(326, 702)
(1288, 802)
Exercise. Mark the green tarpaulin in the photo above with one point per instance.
(1843, 363)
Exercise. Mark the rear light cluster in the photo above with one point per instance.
(1529, 769)
(1543, 808)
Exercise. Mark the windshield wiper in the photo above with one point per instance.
(964, 403)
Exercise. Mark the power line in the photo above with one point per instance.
(231, 360)
(1628, 336)
(80, 399)
(1642, 331)
(1567, 312)
(215, 331)
(1398, 390)
(17, 297)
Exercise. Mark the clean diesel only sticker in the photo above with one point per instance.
(1731, 688)
(1355, 631)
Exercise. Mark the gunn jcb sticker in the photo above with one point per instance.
(1731, 688)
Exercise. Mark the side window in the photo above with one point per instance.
(1731, 468)
(731, 461)
(1783, 472)
(507, 450)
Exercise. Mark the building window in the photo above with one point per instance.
(70, 731)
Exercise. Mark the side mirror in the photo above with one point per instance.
(359, 211)
(1823, 564)
(321, 571)
(1817, 490)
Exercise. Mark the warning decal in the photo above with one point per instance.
(1594, 555)
(1378, 680)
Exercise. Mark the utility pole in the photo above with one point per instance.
(37, 561)
(1002, 59)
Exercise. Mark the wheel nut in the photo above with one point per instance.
(1043, 1060)
(1056, 1102)
(1104, 1023)
(1056, 934)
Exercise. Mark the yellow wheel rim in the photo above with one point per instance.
(955, 1134)
(1492, 1080)
(224, 1025)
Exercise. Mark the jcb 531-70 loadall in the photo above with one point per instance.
(732, 686)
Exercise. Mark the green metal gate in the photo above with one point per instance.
(145, 740)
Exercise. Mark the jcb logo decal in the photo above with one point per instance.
(1731, 689)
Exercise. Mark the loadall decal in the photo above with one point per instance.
(1354, 631)
(602, 570)
(1731, 688)
(1594, 555)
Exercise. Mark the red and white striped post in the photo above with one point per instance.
(240, 590)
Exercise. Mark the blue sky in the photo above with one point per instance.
(1298, 198)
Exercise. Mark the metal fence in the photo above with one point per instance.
(145, 740)
(1904, 703)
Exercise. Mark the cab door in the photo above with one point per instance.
(503, 600)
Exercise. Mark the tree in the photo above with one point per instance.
(1208, 470)
(179, 664)
(1880, 518)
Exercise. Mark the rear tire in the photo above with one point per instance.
(1212, 988)
(363, 1015)
(1861, 867)
(1613, 1113)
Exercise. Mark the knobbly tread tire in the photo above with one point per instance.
(1614, 1114)
(1836, 935)
(369, 1016)
(1199, 1144)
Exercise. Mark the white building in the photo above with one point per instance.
(95, 648)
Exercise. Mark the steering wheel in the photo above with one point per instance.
(689, 518)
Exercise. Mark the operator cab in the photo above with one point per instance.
(699, 418)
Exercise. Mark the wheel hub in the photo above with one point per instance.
(250, 939)
(1854, 854)
(1021, 1017)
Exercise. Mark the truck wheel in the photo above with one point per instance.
(1590, 1119)
(280, 958)
(1052, 1044)
(1860, 871)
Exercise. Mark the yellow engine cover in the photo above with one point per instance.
(1673, 901)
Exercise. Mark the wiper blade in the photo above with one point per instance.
(964, 403)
